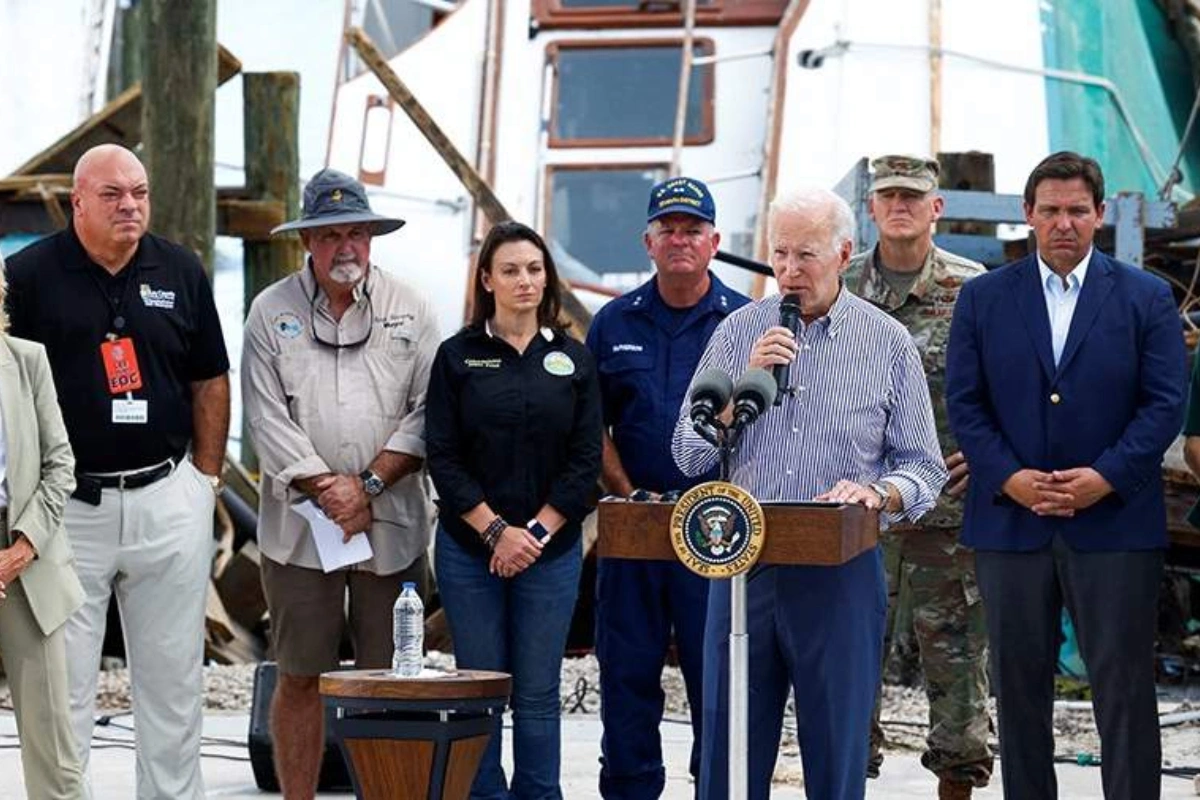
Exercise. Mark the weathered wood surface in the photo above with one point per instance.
(464, 684)
(179, 121)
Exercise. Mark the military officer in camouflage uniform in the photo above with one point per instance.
(917, 283)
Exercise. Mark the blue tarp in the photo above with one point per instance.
(1130, 44)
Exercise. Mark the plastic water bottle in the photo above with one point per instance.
(408, 632)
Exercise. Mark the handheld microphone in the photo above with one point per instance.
(752, 396)
(789, 317)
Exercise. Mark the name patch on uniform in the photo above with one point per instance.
(559, 363)
(157, 298)
(287, 325)
(482, 363)
(627, 348)
(396, 325)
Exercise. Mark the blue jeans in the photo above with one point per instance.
(517, 625)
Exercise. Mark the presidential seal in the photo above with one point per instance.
(717, 530)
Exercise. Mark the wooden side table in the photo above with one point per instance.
(414, 738)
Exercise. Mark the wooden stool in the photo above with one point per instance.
(414, 738)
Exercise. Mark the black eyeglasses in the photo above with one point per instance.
(312, 320)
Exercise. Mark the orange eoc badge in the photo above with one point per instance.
(121, 366)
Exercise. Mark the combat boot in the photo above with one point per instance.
(953, 790)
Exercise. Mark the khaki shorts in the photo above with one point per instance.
(308, 614)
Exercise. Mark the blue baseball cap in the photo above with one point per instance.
(681, 196)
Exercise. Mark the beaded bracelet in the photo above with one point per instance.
(491, 534)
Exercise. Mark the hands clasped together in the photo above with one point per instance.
(345, 501)
(515, 552)
(1059, 493)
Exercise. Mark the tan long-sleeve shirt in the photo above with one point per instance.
(312, 408)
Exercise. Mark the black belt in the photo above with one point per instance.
(134, 479)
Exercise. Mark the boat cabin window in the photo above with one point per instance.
(591, 14)
(595, 216)
(623, 94)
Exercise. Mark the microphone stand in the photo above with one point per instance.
(725, 440)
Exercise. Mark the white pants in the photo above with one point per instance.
(153, 546)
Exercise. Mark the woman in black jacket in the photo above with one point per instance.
(513, 432)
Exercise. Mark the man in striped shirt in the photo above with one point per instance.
(855, 426)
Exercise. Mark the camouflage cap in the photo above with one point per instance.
(904, 172)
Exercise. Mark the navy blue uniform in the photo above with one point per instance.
(646, 353)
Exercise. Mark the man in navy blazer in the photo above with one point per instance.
(1066, 380)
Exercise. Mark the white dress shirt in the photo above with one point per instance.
(1062, 295)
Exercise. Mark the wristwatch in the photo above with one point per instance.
(373, 485)
(537, 530)
(880, 488)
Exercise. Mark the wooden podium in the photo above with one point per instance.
(797, 533)
(414, 738)
(818, 534)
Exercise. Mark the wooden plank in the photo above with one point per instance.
(461, 766)
(249, 219)
(239, 585)
(22, 183)
(464, 684)
(478, 188)
(236, 216)
(388, 769)
(119, 122)
(796, 533)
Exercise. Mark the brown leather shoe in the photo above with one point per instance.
(953, 790)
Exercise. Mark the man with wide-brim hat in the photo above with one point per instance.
(334, 371)
(334, 198)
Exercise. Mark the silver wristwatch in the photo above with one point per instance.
(373, 485)
(880, 488)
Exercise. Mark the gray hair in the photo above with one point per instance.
(813, 202)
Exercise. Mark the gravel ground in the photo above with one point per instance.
(905, 710)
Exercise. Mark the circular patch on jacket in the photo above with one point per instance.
(559, 363)
(717, 530)
(287, 325)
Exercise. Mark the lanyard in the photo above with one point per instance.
(117, 320)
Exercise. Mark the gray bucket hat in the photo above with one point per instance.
(334, 198)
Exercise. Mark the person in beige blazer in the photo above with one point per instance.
(38, 586)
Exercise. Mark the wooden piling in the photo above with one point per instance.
(180, 64)
(271, 131)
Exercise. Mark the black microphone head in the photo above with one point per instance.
(714, 386)
(789, 310)
(756, 385)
